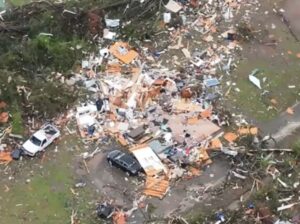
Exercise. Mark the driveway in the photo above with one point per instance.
(114, 185)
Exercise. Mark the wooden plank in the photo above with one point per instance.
(155, 193)
(157, 185)
(137, 147)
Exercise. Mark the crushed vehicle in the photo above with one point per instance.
(40, 139)
(124, 161)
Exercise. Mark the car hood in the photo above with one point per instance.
(30, 147)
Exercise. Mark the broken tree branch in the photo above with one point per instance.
(86, 166)
(73, 216)
(276, 150)
(284, 207)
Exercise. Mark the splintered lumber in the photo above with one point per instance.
(5, 157)
(230, 137)
(248, 131)
(119, 218)
(156, 187)
(204, 157)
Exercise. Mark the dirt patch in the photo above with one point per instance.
(123, 190)
(292, 14)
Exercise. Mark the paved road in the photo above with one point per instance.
(284, 125)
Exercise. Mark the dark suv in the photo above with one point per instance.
(124, 161)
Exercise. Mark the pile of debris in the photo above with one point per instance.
(5, 155)
(169, 120)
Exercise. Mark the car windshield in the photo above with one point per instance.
(35, 141)
(128, 160)
(130, 163)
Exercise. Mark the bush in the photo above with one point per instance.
(296, 149)
(50, 98)
(245, 32)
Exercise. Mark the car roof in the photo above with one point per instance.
(40, 135)
(119, 155)
(126, 158)
(122, 156)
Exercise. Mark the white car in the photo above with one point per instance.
(40, 139)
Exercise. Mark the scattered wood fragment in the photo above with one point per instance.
(282, 183)
(73, 217)
(91, 155)
(86, 166)
(15, 136)
(276, 150)
(284, 207)
(230, 137)
(238, 175)
(290, 110)
(156, 187)
(6, 188)
(73, 192)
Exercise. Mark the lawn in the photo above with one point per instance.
(40, 190)
(279, 71)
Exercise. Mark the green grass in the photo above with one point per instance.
(197, 218)
(250, 100)
(17, 122)
(270, 193)
(278, 67)
(296, 149)
(19, 2)
(263, 163)
(47, 198)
